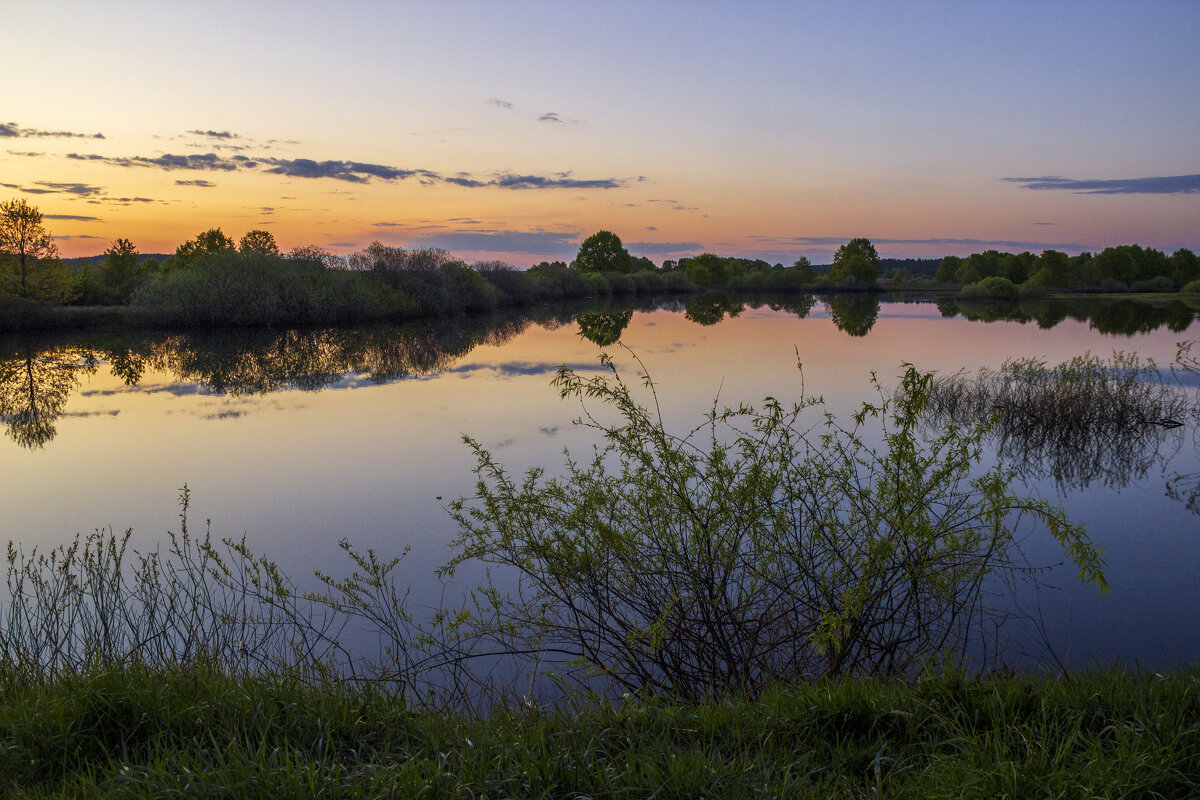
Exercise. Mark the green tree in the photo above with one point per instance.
(121, 269)
(206, 245)
(29, 263)
(947, 270)
(603, 252)
(258, 241)
(804, 270)
(707, 269)
(856, 261)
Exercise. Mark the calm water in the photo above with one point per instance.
(297, 439)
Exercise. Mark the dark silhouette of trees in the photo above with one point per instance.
(259, 241)
(29, 263)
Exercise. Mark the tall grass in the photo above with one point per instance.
(196, 733)
(1083, 420)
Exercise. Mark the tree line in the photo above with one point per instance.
(214, 280)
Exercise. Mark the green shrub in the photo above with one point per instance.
(761, 548)
(1191, 288)
(994, 287)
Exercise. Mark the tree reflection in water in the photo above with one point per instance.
(36, 383)
(34, 388)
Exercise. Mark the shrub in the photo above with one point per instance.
(759, 548)
(1160, 283)
(994, 287)
(1191, 288)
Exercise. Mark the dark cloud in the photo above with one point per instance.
(10, 185)
(50, 187)
(539, 242)
(79, 236)
(71, 217)
(462, 179)
(386, 225)
(662, 248)
(25, 153)
(349, 171)
(13, 130)
(200, 183)
(550, 116)
(562, 181)
(352, 171)
(1166, 184)
(215, 134)
(502, 103)
(170, 161)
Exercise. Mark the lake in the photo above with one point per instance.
(297, 439)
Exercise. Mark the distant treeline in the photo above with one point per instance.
(212, 280)
(1115, 269)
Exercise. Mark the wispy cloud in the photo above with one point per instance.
(561, 181)
(170, 161)
(819, 241)
(496, 101)
(203, 184)
(348, 171)
(662, 248)
(502, 241)
(13, 130)
(51, 187)
(1163, 184)
(71, 217)
(215, 134)
(352, 171)
(25, 154)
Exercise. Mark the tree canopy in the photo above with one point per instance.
(603, 252)
(29, 263)
(856, 261)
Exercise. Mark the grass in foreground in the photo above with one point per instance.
(134, 733)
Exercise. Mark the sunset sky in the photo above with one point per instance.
(514, 130)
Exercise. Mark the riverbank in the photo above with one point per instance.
(193, 733)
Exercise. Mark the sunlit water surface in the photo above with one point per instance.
(376, 459)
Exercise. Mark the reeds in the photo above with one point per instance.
(1084, 420)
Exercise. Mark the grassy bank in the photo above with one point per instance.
(134, 733)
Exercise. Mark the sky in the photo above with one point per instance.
(514, 130)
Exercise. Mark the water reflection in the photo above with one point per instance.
(38, 378)
(37, 381)
(604, 329)
(854, 313)
(34, 387)
(1083, 422)
(1122, 316)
